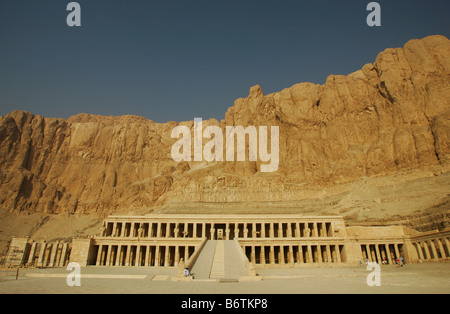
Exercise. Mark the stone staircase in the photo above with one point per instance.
(218, 263)
(202, 265)
(220, 260)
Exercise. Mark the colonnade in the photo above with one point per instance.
(163, 240)
(212, 231)
(43, 254)
(383, 253)
(141, 255)
(295, 254)
(432, 248)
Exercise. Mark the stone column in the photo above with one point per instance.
(397, 253)
(166, 257)
(113, 232)
(300, 253)
(263, 230)
(272, 255)
(132, 229)
(329, 257)
(157, 253)
(186, 230)
(122, 230)
(319, 253)
(433, 249)
(377, 251)
(388, 253)
(338, 253)
(236, 231)
(316, 234)
(115, 259)
(324, 229)
(310, 257)
(168, 230)
(150, 230)
(289, 230)
(419, 250)
(32, 252)
(441, 248)
(130, 234)
(138, 256)
(280, 230)
(427, 251)
(128, 255)
(177, 255)
(281, 257)
(99, 255)
(245, 231)
(135, 261)
(291, 254)
(119, 256)
(158, 230)
(252, 255)
(177, 230)
(271, 231)
(262, 258)
(108, 254)
(147, 255)
(186, 254)
(53, 254)
(447, 245)
(368, 255)
(213, 231)
(62, 261)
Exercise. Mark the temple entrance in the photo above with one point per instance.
(219, 234)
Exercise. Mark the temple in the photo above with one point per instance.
(254, 241)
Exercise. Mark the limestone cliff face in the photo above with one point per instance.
(389, 116)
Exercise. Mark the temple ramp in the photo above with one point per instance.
(218, 264)
(202, 266)
(234, 265)
(220, 260)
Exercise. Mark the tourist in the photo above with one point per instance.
(186, 272)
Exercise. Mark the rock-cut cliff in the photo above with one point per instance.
(391, 116)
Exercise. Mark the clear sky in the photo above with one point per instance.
(176, 60)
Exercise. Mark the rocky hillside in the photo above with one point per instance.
(388, 123)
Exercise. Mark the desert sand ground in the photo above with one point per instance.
(424, 278)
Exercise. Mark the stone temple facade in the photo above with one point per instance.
(262, 241)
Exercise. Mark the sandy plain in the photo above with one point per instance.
(426, 278)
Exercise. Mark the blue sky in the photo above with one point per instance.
(176, 60)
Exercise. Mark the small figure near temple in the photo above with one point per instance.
(186, 272)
